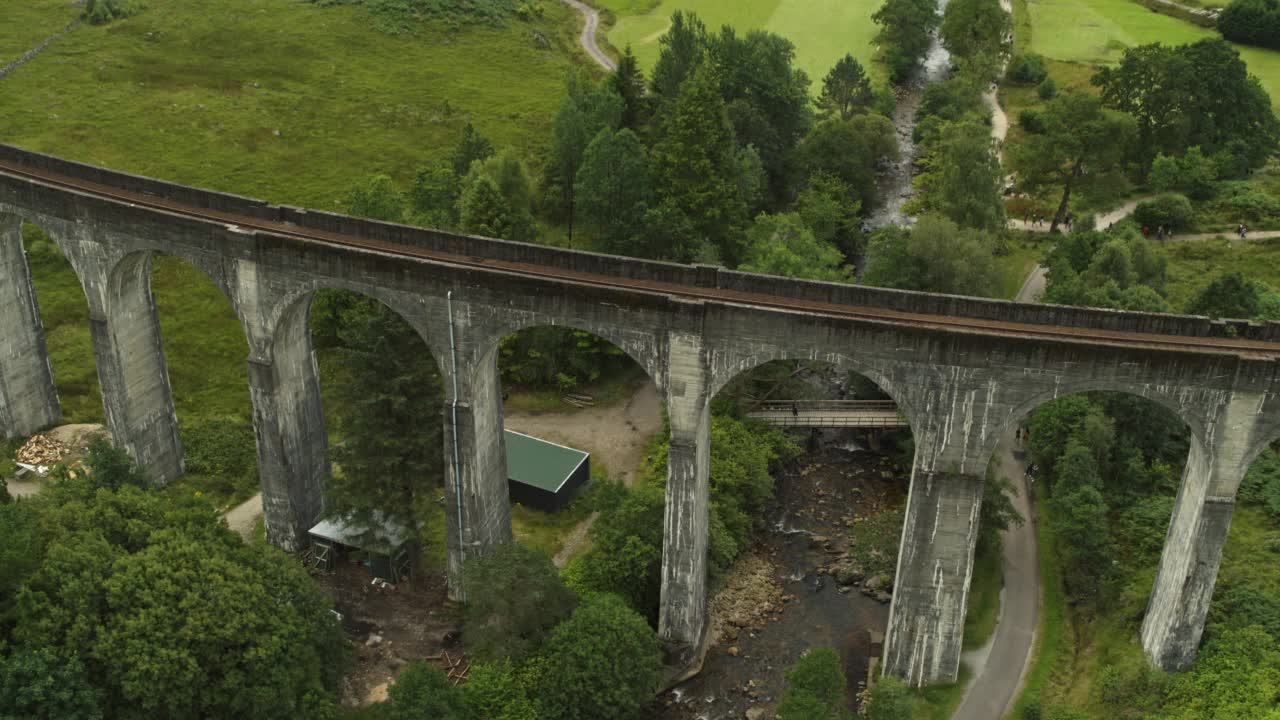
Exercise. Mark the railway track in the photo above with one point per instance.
(1252, 349)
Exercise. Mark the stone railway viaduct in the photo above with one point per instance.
(962, 371)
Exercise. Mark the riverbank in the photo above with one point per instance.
(781, 598)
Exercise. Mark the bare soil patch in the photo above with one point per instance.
(388, 629)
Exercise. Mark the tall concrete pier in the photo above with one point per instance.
(962, 371)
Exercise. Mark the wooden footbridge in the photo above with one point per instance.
(830, 413)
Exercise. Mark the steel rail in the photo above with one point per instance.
(963, 325)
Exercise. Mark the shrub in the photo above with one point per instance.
(1031, 121)
(516, 598)
(1245, 203)
(222, 449)
(606, 660)
(1048, 89)
(1253, 22)
(423, 691)
(815, 687)
(890, 700)
(1170, 210)
(1193, 174)
(1027, 69)
(100, 12)
(399, 16)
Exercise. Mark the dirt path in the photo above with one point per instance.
(1101, 221)
(242, 517)
(615, 435)
(588, 37)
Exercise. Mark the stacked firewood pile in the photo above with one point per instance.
(41, 450)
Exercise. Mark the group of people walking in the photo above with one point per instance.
(1162, 233)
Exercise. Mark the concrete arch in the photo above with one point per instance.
(135, 265)
(725, 367)
(645, 349)
(1171, 402)
(288, 318)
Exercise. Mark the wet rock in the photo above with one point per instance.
(848, 574)
(817, 540)
(755, 713)
(883, 597)
(875, 583)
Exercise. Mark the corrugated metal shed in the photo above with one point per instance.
(542, 474)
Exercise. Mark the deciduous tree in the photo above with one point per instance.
(423, 691)
(815, 688)
(905, 28)
(974, 32)
(783, 245)
(932, 256)
(1081, 150)
(850, 150)
(964, 178)
(1199, 94)
(607, 663)
(376, 198)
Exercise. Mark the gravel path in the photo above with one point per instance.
(242, 517)
(588, 37)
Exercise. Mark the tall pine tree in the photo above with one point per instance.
(388, 411)
(695, 165)
(846, 90)
(628, 82)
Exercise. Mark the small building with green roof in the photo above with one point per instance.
(542, 474)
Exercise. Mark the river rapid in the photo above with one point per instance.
(895, 181)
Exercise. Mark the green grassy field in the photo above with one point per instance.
(27, 23)
(1096, 32)
(278, 99)
(822, 30)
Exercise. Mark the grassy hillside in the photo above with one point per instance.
(822, 30)
(278, 99)
(1096, 32)
(27, 23)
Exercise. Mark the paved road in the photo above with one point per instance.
(999, 667)
(588, 37)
